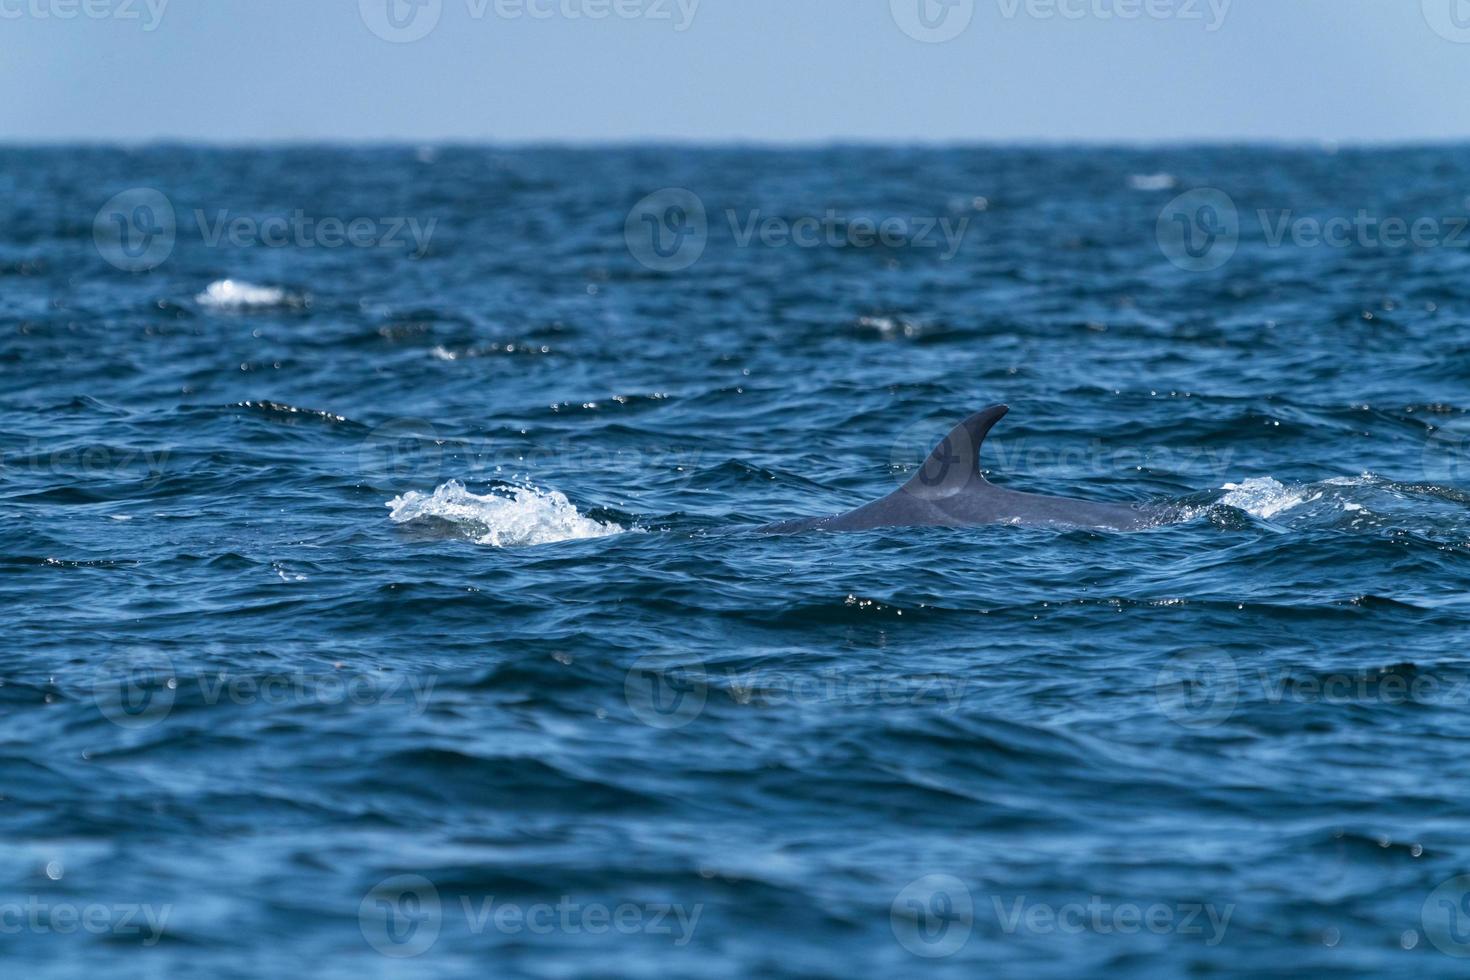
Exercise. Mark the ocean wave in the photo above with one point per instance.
(1355, 503)
(282, 409)
(526, 516)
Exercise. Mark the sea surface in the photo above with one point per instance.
(382, 594)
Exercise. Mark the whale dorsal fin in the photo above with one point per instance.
(955, 462)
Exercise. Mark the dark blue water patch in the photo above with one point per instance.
(396, 606)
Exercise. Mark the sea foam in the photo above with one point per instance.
(520, 516)
(1261, 496)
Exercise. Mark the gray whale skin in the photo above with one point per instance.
(949, 491)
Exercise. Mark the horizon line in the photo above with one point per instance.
(1318, 143)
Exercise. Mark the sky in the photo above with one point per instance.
(735, 70)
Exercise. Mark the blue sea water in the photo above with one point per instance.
(382, 597)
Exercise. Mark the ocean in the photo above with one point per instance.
(384, 598)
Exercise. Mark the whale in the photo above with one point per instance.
(949, 490)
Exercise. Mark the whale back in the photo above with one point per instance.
(949, 490)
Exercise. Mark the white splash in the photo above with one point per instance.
(528, 516)
(1261, 496)
(233, 294)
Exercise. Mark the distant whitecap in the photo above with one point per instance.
(234, 294)
(1152, 182)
